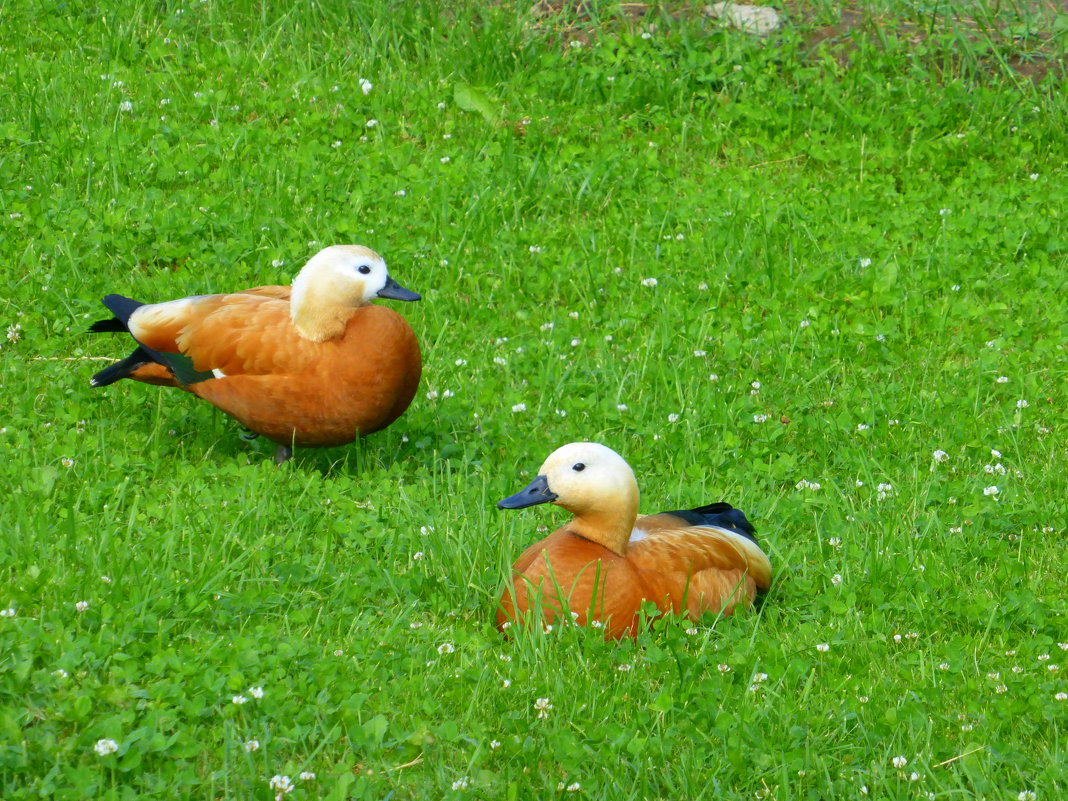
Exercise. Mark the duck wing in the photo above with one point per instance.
(225, 335)
(697, 560)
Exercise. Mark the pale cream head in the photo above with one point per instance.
(335, 282)
(588, 478)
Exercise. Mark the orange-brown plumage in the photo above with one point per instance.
(312, 365)
(603, 564)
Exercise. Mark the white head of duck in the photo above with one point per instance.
(336, 281)
(595, 484)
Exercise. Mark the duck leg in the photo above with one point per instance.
(282, 454)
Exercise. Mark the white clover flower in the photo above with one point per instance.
(335, 144)
(760, 418)
(940, 456)
(1043, 657)
(576, 342)
(1001, 379)
(256, 692)
(60, 673)
(81, 606)
(307, 776)
(692, 631)
(125, 105)
(943, 666)
(252, 745)
(574, 787)
(543, 707)
(105, 747)
(9, 612)
(239, 699)
(339, 652)
(723, 668)
(448, 393)
(1022, 404)
(445, 159)
(534, 249)
(506, 683)
(899, 762)
(425, 530)
(14, 332)
(622, 407)
(446, 648)
(417, 556)
(278, 263)
(500, 361)
(673, 418)
(955, 288)
(366, 86)
(519, 407)
(280, 784)
(804, 484)
(626, 667)
(836, 579)
(805, 323)
(460, 784)
(943, 212)
(713, 377)
(991, 491)
(865, 262)
(494, 745)
(649, 282)
(700, 353)
(823, 647)
(863, 426)
(1033, 176)
(1061, 697)
(371, 123)
(400, 193)
(755, 385)
(914, 777)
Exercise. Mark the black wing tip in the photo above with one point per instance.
(719, 514)
(119, 370)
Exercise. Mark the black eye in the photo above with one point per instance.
(363, 268)
(578, 468)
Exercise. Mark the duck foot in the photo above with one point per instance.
(282, 454)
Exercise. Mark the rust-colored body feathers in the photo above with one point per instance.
(692, 562)
(299, 365)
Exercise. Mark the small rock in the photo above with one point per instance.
(760, 20)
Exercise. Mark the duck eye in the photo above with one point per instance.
(363, 268)
(578, 468)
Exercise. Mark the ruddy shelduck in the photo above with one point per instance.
(601, 566)
(315, 364)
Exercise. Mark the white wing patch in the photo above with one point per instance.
(638, 534)
(215, 371)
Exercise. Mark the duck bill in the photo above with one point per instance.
(537, 491)
(395, 291)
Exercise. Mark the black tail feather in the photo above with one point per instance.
(122, 307)
(111, 325)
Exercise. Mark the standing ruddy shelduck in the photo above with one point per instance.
(602, 565)
(314, 365)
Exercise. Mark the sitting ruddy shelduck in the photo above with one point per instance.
(602, 565)
(312, 365)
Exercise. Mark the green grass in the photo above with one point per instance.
(872, 228)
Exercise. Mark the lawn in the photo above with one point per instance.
(820, 275)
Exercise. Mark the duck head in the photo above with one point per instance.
(335, 281)
(594, 484)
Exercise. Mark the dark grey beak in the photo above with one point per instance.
(537, 491)
(395, 291)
